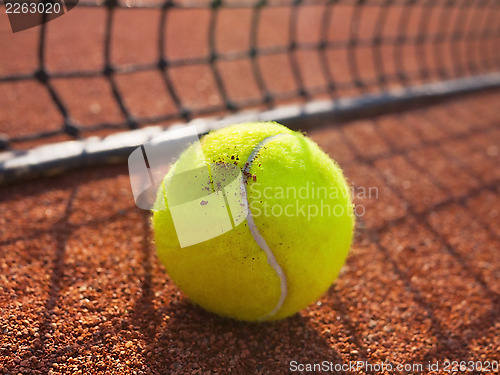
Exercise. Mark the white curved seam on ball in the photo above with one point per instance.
(257, 236)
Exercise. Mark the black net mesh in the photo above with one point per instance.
(187, 59)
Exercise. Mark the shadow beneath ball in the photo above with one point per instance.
(194, 339)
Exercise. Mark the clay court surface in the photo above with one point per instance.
(82, 291)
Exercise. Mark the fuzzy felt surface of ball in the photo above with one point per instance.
(287, 222)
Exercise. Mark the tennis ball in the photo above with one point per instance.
(290, 222)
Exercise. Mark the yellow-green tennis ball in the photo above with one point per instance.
(289, 248)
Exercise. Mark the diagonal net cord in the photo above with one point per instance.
(271, 259)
